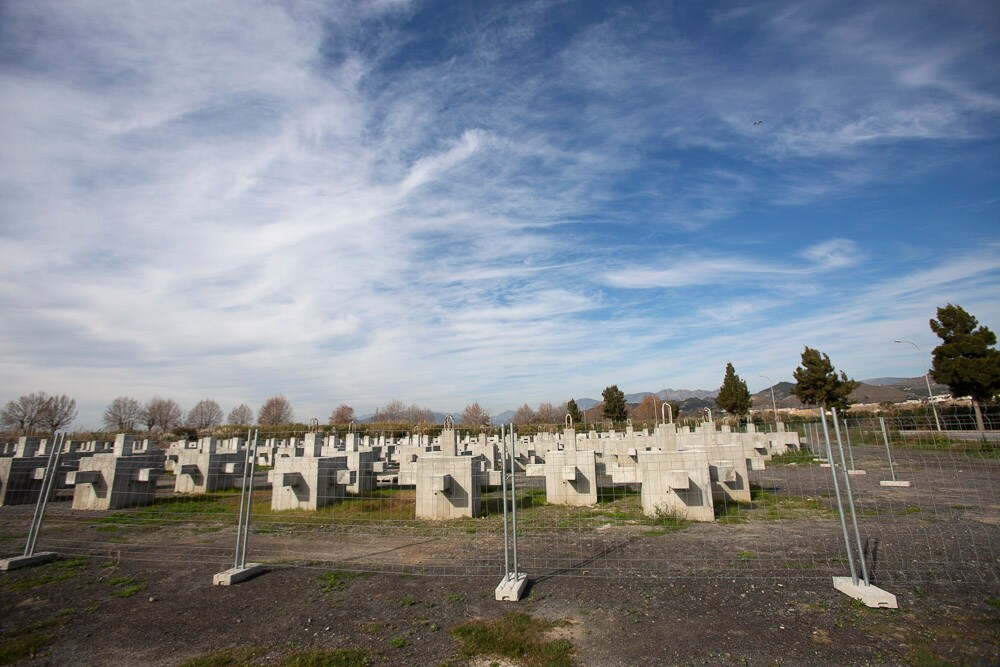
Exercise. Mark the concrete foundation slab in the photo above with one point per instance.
(512, 587)
(235, 575)
(889, 482)
(872, 596)
(27, 561)
(857, 472)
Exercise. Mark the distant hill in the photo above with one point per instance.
(883, 382)
(502, 418)
(918, 386)
(898, 390)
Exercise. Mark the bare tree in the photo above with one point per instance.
(548, 414)
(419, 415)
(276, 410)
(122, 414)
(161, 413)
(342, 414)
(394, 411)
(647, 408)
(397, 411)
(475, 415)
(205, 414)
(523, 415)
(25, 413)
(58, 413)
(241, 415)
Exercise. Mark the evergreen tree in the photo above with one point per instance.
(816, 382)
(734, 397)
(614, 404)
(966, 360)
(574, 411)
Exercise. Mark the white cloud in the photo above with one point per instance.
(245, 198)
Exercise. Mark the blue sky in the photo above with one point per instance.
(495, 202)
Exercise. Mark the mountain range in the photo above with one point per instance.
(874, 390)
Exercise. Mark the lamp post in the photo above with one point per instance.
(930, 396)
(774, 404)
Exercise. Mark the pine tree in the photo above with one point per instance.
(574, 411)
(816, 382)
(966, 360)
(734, 397)
(614, 404)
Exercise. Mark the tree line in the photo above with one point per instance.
(966, 361)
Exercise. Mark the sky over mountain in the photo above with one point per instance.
(498, 202)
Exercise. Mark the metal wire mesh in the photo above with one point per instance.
(668, 501)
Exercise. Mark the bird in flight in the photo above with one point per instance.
(758, 122)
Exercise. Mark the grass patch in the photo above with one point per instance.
(455, 597)
(398, 642)
(516, 636)
(57, 570)
(230, 657)
(125, 587)
(25, 643)
(22, 646)
(337, 580)
(793, 457)
(993, 602)
(165, 511)
(338, 657)
(770, 506)
(406, 601)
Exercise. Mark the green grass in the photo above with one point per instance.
(398, 642)
(219, 505)
(993, 602)
(406, 601)
(58, 570)
(338, 657)
(769, 506)
(22, 646)
(517, 637)
(25, 643)
(125, 587)
(337, 580)
(236, 657)
(455, 597)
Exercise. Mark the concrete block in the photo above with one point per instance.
(306, 482)
(899, 483)
(857, 472)
(447, 487)
(237, 574)
(441, 484)
(678, 480)
(571, 477)
(872, 596)
(511, 587)
(18, 562)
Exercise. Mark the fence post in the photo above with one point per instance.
(29, 557)
(888, 453)
(871, 596)
(512, 587)
(241, 571)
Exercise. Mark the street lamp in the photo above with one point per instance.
(930, 396)
(774, 404)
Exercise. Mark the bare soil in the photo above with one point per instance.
(753, 588)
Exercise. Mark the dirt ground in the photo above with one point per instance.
(174, 615)
(753, 588)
